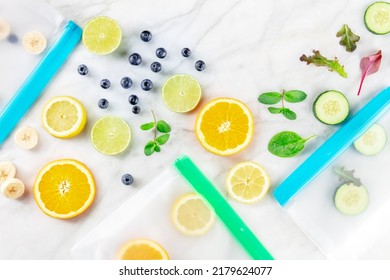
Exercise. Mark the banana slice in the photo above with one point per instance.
(4, 29)
(12, 188)
(7, 171)
(34, 42)
(26, 138)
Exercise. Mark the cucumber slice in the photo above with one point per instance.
(372, 141)
(377, 18)
(331, 107)
(351, 200)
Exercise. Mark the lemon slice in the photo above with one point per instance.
(64, 188)
(225, 126)
(247, 182)
(102, 35)
(64, 117)
(142, 249)
(191, 215)
(111, 135)
(181, 93)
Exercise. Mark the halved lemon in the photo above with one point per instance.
(142, 249)
(64, 117)
(64, 188)
(102, 35)
(111, 135)
(247, 182)
(191, 215)
(181, 93)
(224, 126)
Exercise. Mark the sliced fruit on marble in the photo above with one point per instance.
(191, 215)
(12, 188)
(372, 141)
(26, 138)
(225, 126)
(350, 199)
(34, 42)
(64, 188)
(111, 135)
(102, 35)
(331, 107)
(64, 117)
(7, 171)
(247, 182)
(181, 93)
(377, 18)
(142, 249)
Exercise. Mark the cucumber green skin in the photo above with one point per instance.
(356, 211)
(314, 107)
(366, 154)
(365, 21)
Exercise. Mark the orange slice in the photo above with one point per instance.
(142, 249)
(224, 126)
(64, 188)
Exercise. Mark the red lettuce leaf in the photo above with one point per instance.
(369, 65)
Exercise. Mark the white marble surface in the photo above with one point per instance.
(249, 47)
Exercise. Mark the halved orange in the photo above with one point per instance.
(64, 188)
(225, 126)
(142, 249)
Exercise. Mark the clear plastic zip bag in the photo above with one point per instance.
(344, 222)
(148, 215)
(35, 40)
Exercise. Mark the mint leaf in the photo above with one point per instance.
(163, 127)
(147, 126)
(319, 60)
(348, 38)
(157, 148)
(270, 98)
(286, 144)
(149, 148)
(274, 110)
(294, 96)
(289, 114)
(162, 139)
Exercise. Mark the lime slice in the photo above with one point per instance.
(181, 93)
(102, 35)
(111, 135)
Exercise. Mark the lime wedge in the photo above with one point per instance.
(111, 135)
(181, 93)
(102, 35)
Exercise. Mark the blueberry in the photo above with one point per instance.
(146, 85)
(127, 179)
(82, 69)
(146, 36)
(200, 65)
(161, 53)
(12, 38)
(126, 82)
(103, 103)
(155, 67)
(136, 109)
(133, 99)
(105, 83)
(135, 59)
(186, 52)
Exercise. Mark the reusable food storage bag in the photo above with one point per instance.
(24, 75)
(308, 194)
(148, 215)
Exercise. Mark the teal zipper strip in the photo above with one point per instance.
(30, 90)
(224, 211)
(333, 147)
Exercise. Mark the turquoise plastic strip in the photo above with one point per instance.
(225, 212)
(30, 90)
(333, 147)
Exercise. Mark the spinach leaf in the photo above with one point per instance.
(287, 144)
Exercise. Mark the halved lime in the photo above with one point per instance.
(102, 35)
(181, 93)
(111, 135)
